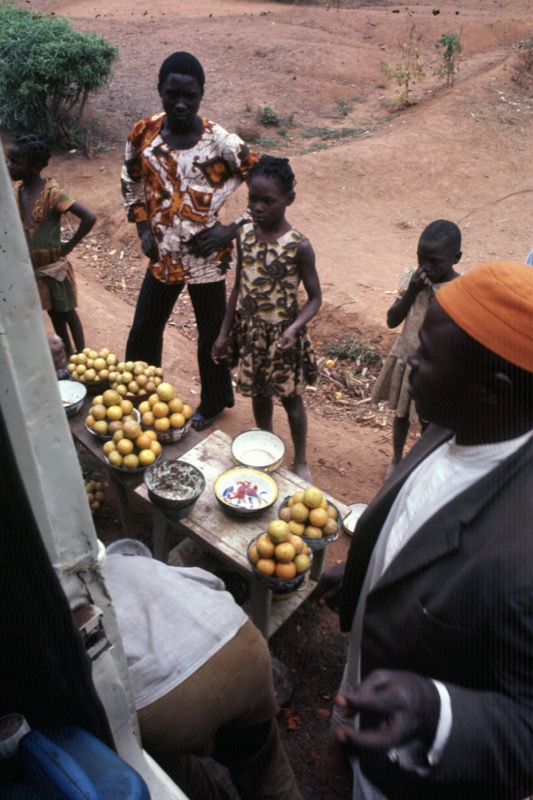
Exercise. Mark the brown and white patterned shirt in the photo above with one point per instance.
(180, 192)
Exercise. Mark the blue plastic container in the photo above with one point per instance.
(67, 763)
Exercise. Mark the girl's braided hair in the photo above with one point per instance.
(35, 147)
(273, 167)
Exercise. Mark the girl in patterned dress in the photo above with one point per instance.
(41, 204)
(266, 327)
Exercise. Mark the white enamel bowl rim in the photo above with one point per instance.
(241, 449)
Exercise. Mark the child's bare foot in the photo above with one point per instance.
(302, 470)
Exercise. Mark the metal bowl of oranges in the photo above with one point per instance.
(309, 515)
(165, 413)
(279, 565)
(131, 449)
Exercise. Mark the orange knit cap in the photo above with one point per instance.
(493, 303)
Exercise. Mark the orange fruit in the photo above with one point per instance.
(110, 398)
(122, 390)
(146, 457)
(266, 566)
(114, 425)
(186, 411)
(285, 570)
(299, 512)
(98, 411)
(165, 391)
(177, 420)
(144, 407)
(330, 526)
(132, 429)
(175, 405)
(100, 427)
(160, 410)
(302, 562)
(125, 447)
(332, 511)
(126, 406)
(298, 497)
(253, 555)
(153, 399)
(278, 531)
(148, 418)
(115, 412)
(115, 458)
(297, 542)
(313, 497)
(118, 435)
(313, 533)
(285, 513)
(130, 461)
(155, 446)
(143, 441)
(89, 421)
(318, 517)
(284, 552)
(109, 447)
(152, 435)
(162, 424)
(296, 528)
(265, 546)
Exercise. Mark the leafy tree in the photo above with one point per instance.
(448, 47)
(408, 70)
(47, 71)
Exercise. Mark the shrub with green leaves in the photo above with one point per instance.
(47, 71)
(449, 47)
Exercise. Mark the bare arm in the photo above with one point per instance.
(306, 262)
(87, 220)
(218, 351)
(400, 308)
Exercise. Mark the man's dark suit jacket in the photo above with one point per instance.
(456, 605)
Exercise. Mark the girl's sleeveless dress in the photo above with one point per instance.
(267, 304)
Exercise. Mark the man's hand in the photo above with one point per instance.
(396, 708)
(211, 240)
(148, 243)
(329, 586)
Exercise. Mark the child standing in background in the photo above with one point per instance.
(274, 353)
(439, 249)
(41, 203)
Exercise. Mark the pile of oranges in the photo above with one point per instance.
(131, 447)
(308, 514)
(164, 409)
(278, 553)
(109, 413)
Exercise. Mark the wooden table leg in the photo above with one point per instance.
(128, 522)
(160, 535)
(260, 600)
(318, 563)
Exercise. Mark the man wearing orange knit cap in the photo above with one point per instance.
(437, 590)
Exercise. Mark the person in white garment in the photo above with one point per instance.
(201, 675)
(437, 591)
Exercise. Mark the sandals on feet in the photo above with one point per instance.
(200, 423)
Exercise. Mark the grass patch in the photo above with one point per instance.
(352, 348)
(327, 134)
(315, 147)
(267, 142)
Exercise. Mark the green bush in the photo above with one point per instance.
(47, 71)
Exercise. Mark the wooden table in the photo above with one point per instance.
(226, 536)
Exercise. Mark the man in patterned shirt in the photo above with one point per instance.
(179, 170)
